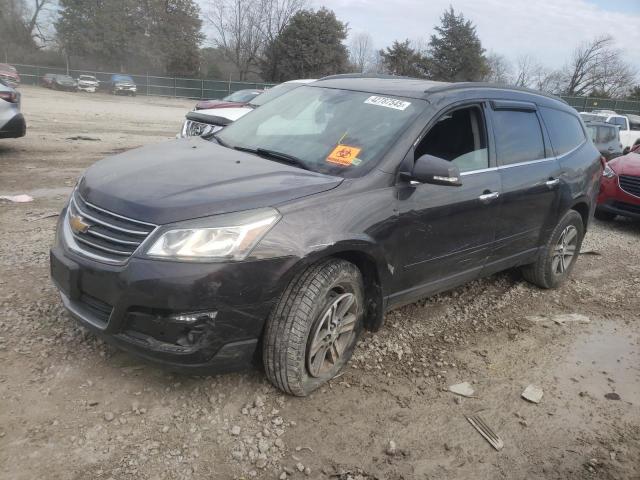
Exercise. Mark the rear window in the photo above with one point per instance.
(619, 121)
(518, 136)
(564, 129)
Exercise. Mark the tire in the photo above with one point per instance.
(550, 270)
(301, 320)
(604, 216)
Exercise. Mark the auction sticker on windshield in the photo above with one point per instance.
(387, 102)
(344, 155)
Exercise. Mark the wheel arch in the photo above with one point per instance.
(372, 265)
(582, 207)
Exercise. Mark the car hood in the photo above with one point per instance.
(192, 178)
(628, 164)
(232, 114)
(206, 104)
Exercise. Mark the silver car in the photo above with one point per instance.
(12, 123)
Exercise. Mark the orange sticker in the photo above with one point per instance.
(344, 155)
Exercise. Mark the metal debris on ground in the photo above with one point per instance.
(17, 198)
(84, 137)
(463, 389)
(590, 252)
(532, 394)
(489, 435)
(570, 317)
(43, 216)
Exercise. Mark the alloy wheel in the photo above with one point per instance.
(332, 334)
(565, 250)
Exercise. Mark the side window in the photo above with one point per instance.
(460, 137)
(518, 136)
(564, 129)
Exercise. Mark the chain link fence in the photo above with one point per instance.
(587, 104)
(195, 88)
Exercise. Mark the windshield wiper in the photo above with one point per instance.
(285, 157)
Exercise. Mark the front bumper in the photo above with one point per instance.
(137, 306)
(88, 88)
(613, 199)
(14, 128)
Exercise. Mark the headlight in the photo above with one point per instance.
(226, 237)
(608, 172)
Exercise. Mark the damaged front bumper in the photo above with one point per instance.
(198, 317)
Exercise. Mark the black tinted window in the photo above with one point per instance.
(564, 129)
(518, 136)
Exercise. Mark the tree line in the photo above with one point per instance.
(278, 40)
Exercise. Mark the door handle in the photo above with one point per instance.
(552, 182)
(488, 197)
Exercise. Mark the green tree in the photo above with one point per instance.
(401, 59)
(163, 35)
(634, 94)
(310, 46)
(455, 53)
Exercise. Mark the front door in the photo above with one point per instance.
(445, 233)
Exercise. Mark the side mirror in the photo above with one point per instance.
(434, 170)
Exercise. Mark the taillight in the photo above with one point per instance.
(11, 97)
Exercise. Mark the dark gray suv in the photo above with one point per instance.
(290, 231)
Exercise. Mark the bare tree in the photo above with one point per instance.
(244, 27)
(361, 51)
(276, 16)
(239, 31)
(597, 65)
(527, 68)
(499, 69)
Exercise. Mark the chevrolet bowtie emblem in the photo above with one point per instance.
(77, 224)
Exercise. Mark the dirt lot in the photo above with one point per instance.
(73, 408)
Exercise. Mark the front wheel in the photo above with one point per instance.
(558, 256)
(313, 329)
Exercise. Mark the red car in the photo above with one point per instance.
(236, 99)
(620, 187)
(9, 75)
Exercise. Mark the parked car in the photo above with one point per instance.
(620, 187)
(64, 82)
(12, 123)
(236, 99)
(629, 130)
(120, 85)
(47, 80)
(211, 120)
(88, 83)
(298, 226)
(9, 75)
(606, 138)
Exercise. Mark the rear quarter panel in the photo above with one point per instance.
(581, 173)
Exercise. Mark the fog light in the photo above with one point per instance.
(196, 317)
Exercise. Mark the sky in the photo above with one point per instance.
(548, 30)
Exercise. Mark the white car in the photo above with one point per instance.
(629, 126)
(212, 120)
(88, 83)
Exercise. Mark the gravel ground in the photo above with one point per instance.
(72, 407)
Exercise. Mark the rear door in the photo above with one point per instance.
(530, 176)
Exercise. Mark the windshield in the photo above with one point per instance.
(87, 77)
(338, 132)
(274, 93)
(122, 78)
(242, 96)
(65, 78)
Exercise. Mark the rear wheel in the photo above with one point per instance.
(313, 330)
(558, 256)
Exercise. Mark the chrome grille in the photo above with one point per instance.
(104, 234)
(630, 184)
